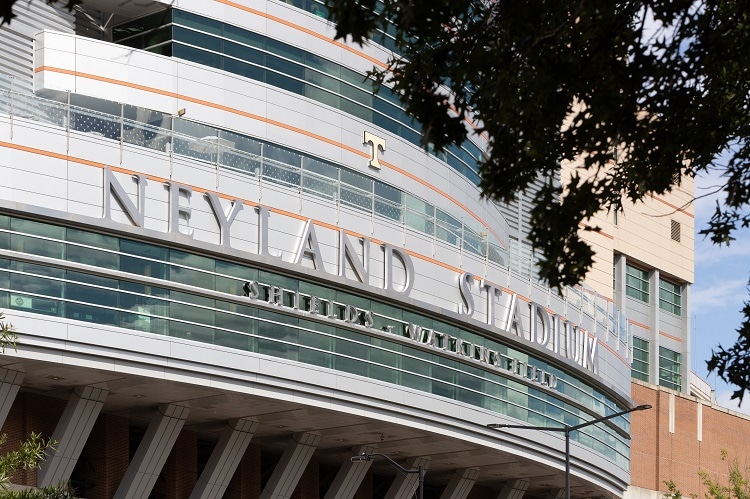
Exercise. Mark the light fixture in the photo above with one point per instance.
(181, 111)
(364, 457)
(567, 429)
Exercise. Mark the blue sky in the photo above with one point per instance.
(719, 291)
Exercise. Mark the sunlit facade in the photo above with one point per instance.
(231, 268)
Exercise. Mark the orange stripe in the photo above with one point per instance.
(662, 333)
(587, 226)
(202, 102)
(613, 352)
(125, 171)
(442, 193)
(248, 202)
(674, 207)
(639, 324)
(304, 30)
(328, 39)
(269, 121)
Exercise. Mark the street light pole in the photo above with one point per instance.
(566, 430)
(419, 470)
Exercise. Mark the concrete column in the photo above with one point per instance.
(152, 452)
(686, 339)
(10, 382)
(224, 459)
(350, 475)
(405, 484)
(514, 489)
(71, 433)
(556, 494)
(292, 464)
(460, 484)
(654, 323)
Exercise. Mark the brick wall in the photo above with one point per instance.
(245, 484)
(309, 483)
(180, 472)
(671, 444)
(104, 458)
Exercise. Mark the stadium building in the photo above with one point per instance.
(232, 268)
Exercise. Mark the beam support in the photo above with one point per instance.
(224, 459)
(514, 489)
(350, 475)
(10, 382)
(71, 433)
(405, 484)
(460, 484)
(292, 464)
(152, 452)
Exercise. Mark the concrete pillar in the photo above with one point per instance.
(460, 484)
(224, 459)
(405, 484)
(350, 475)
(686, 339)
(654, 324)
(71, 433)
(514, 489)
(10, 382)
(152, 452)
(292, 464)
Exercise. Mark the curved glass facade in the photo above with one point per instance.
(156, 305)
(264, 162)
(221, 45)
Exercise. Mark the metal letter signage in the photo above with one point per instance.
(377, 144)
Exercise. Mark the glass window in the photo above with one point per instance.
(198, 22)
(244, 36)
(388, 201)
(196, 55)
(284, 50)
(448, 227)
(285, 67)
(636, 283)
(91, 256)
(159, 310)
(278, 335)
(324, 65)
(669, 368)
(244, 69)
(143, 259)
(137, 26)
(35, 245)
(223, 46)
(670, 297)
(196, 38)
(640, 359)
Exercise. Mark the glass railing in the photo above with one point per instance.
(246, 155)
(271, 163)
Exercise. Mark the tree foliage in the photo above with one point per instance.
(736, 487)
(642, 92)
(8, 336)
(30, 452)
(29, 455)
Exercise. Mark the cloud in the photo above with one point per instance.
(709, 297)
(709, 254)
